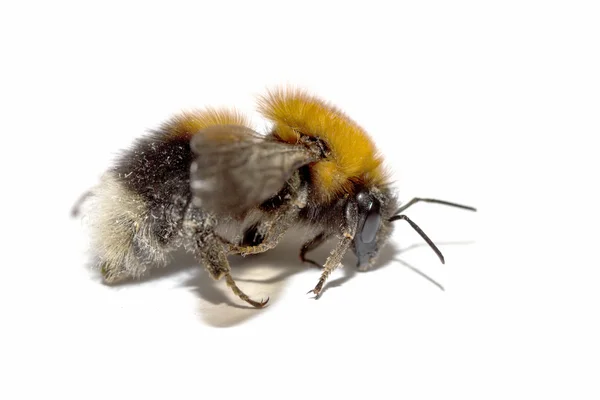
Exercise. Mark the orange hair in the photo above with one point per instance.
(353, 160)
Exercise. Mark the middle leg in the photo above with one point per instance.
(271, 230)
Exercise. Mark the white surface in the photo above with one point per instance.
(491, 105)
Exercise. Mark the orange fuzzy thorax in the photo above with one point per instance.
(187, 124)
(353, 160)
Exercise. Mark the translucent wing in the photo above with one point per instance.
(236, 169)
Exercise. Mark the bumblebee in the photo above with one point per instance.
(207, 182)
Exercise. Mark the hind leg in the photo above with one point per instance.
(212, 253)
(129, 249)
(131, 258)
(113, 273)
(117, 259)
(76, 209)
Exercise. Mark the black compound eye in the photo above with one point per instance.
(371, 226)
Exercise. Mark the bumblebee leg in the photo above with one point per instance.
(238, 292)
(333, 261)
(253, 236)
(113, 273)
(311, 245)
(76, 209)
(272, 232)
(211, 251)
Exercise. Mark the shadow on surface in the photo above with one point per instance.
(265, 275)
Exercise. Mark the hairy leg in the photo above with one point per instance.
(212, 253)
(272, 231)
(333, 261)
(345, 240)
(311, 245)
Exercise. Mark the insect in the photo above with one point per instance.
(207, 182)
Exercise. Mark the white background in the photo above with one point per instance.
(493, 105)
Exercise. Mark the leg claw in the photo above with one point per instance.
(258, 304)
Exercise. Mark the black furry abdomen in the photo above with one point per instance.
(157, 168)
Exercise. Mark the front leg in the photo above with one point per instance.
(333, 261)
(346, 238)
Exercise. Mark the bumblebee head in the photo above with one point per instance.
(376, 210)
(373, 225)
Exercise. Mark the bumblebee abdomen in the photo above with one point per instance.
(187, 124)
(121, 229)
(158, 165)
